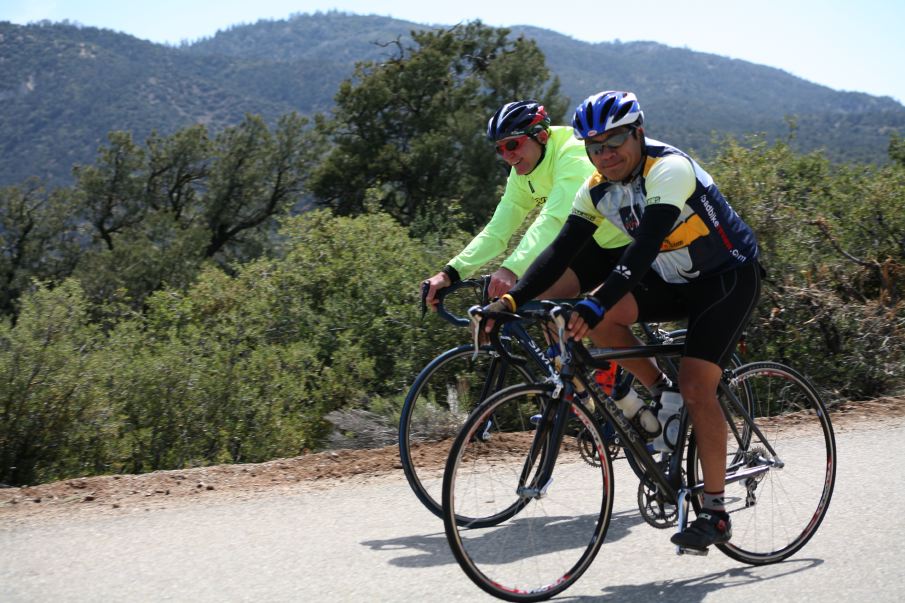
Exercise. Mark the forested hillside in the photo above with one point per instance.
(64, 87)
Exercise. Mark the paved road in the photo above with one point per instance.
(373, 542)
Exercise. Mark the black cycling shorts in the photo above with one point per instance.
(717, 308)
(593, 264)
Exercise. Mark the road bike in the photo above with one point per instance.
(446, 390)
(456, 381)
(450, 386)
(525, 514)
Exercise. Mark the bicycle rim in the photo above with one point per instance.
(435, 408)
(529, 546)
(776, 512)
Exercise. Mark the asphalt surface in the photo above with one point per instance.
(374, 542)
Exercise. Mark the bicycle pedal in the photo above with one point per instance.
(683, 550)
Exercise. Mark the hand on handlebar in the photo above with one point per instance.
(500, 305)
(433, 284)
(501, 282)
(481, 322)
(586, 315)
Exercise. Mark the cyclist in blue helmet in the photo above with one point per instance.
(691, 257)
(547, 166)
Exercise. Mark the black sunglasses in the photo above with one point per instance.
(613, 142)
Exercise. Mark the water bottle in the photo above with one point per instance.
(668, 417)
(631, 405)
(606, 378)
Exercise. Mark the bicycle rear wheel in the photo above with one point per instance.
(532, 540)
(775, 512)
(437, 404)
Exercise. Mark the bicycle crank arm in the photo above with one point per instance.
(684, 493)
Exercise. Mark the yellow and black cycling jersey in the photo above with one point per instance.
(707, 238)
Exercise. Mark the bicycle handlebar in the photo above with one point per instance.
(458, 321)
(557, 312)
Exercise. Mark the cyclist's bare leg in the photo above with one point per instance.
(566, 287)
(615, 331)
(698, 382)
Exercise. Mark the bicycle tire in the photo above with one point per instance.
(529, 547)
(775, 513)
(424, 403)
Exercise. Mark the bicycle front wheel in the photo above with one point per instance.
(532, 540)
(791, 465)
(438, 402)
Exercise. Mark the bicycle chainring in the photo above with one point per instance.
(587, 449)
(654, 509)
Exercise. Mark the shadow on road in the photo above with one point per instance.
(433, 549)
(694, 590)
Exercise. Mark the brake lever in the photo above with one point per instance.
(474, 313)
(558, 314)
(425, 289)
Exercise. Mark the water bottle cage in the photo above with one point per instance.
(671, 431)
(639, 426)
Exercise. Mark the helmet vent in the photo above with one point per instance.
(622, 112)
(607, 106)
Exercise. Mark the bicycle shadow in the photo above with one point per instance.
(433, 549)
(698, 588)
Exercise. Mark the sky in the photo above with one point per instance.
(844, 44)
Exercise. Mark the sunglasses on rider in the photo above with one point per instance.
(613, 142)
(510, 144)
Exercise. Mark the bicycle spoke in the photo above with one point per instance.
(776, 511)
(435, 409)
(536, 536)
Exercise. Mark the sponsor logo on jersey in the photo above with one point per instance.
(711, 213)
(585, 215)
(623, 271)
(685, 234)
(629, 218)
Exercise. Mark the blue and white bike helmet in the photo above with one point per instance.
(605, 111)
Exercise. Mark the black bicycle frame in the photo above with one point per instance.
(632, 442)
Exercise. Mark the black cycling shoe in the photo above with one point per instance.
(707, 528)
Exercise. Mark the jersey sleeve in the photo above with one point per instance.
(671, 180)
(553, 260)
(583, 207)
(570, 171)
(494, 237)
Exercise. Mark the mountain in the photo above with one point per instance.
(63, 87)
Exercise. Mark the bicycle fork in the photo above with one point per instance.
(544, 451)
